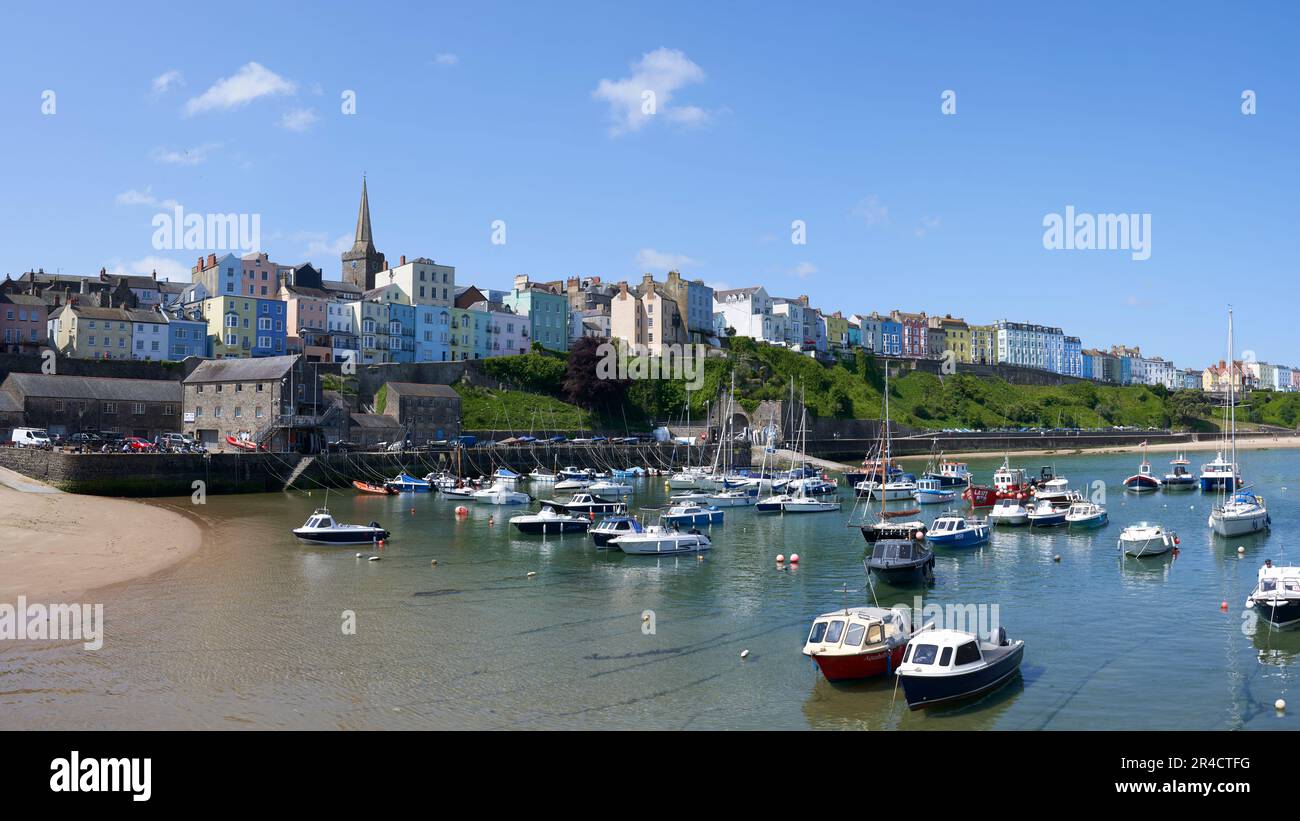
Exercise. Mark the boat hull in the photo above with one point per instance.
(1217, 482)
(1141, 484)
(928, 691)
(963, 538)
(1091, 521)
(546, 528)
(1239, 525)
(660, 547)
(1047, 519)
(868, 664)
(368, 536)
(1279, 612)
(712, 518)
(899, 573)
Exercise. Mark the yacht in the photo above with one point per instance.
(1276, 597)
(731, 498)
(549, 520)
(947, 665)
(659, 540)
(955, 530)
(1009, 512)
(1146, 539)
(1085, 514)
(931, 491)
(1240, 514)
(320, 528)
(950, 474)
(858, 642)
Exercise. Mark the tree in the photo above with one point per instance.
(586, 383)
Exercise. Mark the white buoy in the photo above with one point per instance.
(1241, 551)
(358, 555)
(1280, 704)
(374, 558)
(780, 558)
(744, 654)
(433, 563)
(532, 573)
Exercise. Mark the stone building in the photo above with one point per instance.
(94, 404)
(426, 412)
(275, 400)
(371, 429)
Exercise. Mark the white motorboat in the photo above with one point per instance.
(609, 487)
(1085, 514)
(948, 665)
(541, 475)
(549, 520)
(1178, 477)
(320, 528)
(931, 491)
(1276, 597)
(1046, 514)
(1055, 489)
(659, 540)
(1009, 512)
(858, 642)
(500, 493)
(731, 498)
(1239, 515)
(1146, 539)
(893, 490)
(505, 475)
(808, 504)
(573, 484)
(1219, 474)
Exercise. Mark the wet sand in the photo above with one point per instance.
(55, 546)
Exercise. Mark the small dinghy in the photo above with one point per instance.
(858, 642)
(550, 520)
(1145, 539)
(901, 561)
(732, 498)
(944, 666)
(406, 483)
(368, 487)
(321, 528)
(611, 527)
(1276, 598)
(955, 530)
(693, 514)
(1009, 512)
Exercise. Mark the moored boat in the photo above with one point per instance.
(406, 483)
(614, 526)
(693, 514)
(500, 493)
(549, 520)
(1146, 539)
(587, 503)
(899, 561)
(1240, 514)
(1144, 480)
(858, 642)
(1046, 514)
(956, 530)
(1008, 483)
(370, 487)
(660, 541)
(1276, 597)
(890, 529)
(1178, 477)
(320, 528)
(931, 491)
(950, 474)
(1009, 512)
(1085, 514)
(943, 666)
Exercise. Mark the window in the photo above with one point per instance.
(137, 408)
(853, 638)
(945, 657)
(110, 408)
(967, 653)
(833, 632)
(924, 653)
(238, 411)
(818, 632)
(58, 406)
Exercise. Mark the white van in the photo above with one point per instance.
(30, 438)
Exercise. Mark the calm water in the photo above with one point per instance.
(247, 632)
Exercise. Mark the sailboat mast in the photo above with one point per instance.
(1232, 399)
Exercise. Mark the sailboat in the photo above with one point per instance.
(731, 493)
(1239, 511)
(883, 485)
(800, 501)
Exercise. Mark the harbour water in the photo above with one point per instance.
(249, 632)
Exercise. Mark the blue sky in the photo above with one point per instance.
(767, 113)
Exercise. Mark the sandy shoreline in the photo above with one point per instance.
(56, 546)
(1207, 444)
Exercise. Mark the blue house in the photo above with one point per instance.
(187, 333)
(270, 338)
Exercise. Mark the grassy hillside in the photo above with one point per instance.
(852, 389)
(518, 411)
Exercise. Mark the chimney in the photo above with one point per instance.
(212, 260)
(403, 262)
(803, 300)
(521, 281)
(155, 274)
(622, 290)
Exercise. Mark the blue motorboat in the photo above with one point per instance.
(406, 483)
(930, 491)
(504, 474)
(693, 514)
(955, 530)
(611, 527)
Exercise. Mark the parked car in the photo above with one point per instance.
(137, 445)
(342, 446)
(86, 439)
(30, 438)
(176, 440)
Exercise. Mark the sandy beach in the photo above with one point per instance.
(56, 546)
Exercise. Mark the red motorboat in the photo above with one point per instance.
(242, 444)
(367, 487)
(858, 642)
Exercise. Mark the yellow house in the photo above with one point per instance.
(982, 344)
(91, 333)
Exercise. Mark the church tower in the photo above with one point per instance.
(362, 262)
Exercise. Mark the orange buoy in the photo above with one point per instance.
(1223, 606)
(794, 557)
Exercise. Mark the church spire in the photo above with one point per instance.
(364, 240)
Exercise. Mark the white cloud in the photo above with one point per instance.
(446, 60)
(872, 211)
(166, 267)
(166, 82)
(299, 119)
(183, 156)
(662, 72)
(318, 244)
(803, 270)
(134, 196)
(252, 81)
(927, 225)
(652, 261)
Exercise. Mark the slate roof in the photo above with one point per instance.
(418, 389)
(242, 370)
(51, 386)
